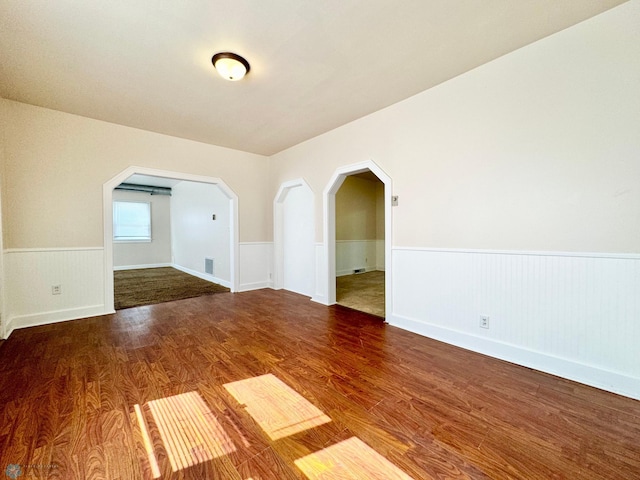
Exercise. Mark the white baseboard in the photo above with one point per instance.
(586, 374)
(321, 299)
(246, 287)
(44, 318)
(139, 267)
(203, 276)
(343, 273)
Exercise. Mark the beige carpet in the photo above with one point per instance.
(362, 291)
(147, 286)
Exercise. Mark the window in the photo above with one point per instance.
(131, 222)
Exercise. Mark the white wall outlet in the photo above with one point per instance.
(484, 321)
(56, 289)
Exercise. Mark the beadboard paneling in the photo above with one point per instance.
(30, 274)
(255, 265)
(321, 295)
(574, 315)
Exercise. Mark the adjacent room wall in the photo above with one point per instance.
(357, 229)
(155, 253)
(518, 198)
(380, 223)
(195, 235)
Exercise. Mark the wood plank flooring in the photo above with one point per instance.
(147, 393)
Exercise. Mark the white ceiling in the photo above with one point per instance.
(139, 179)
(315, 64)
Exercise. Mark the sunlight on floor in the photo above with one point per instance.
(279, 410)
(351, 458)
(148, 444)
(191, 435)
(189, 431)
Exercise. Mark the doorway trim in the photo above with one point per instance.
(107, 206)
(278, 228)
(329, 228)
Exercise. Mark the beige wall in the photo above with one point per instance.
(56, 164)
(380, 224)
(356, 216)
(158, 250)
(537, 150)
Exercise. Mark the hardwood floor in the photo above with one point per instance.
(268, 385)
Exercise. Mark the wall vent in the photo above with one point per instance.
(359, 270)
(208, 266)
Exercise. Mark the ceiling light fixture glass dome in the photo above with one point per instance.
(230, 66)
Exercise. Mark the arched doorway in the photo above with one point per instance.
(330, 228)
(107, 199)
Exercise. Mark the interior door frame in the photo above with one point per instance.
(329, 205)
(107, 205)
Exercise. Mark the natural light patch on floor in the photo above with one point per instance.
(278, 409)
(349, 459)
(148, 445)
(189, 431)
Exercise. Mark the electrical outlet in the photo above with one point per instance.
(484, 321)
(56, 289)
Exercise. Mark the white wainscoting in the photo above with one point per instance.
(320, 295)
(380, 255)
(256, 265)
(573, 315)
(354, 254)
(30, 274)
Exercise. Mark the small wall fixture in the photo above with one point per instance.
(230, 66)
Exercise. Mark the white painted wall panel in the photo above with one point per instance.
(256, 267)
(380, 247)
(30, 274)
(320, 294)
(576, 313)
(298, 240)
(352, 254)
(195, 236)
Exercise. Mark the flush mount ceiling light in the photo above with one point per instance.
(230, 66)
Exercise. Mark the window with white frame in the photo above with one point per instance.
(131, 221)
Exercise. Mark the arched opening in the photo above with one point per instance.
(107, 195)
(294, 236)
(360, 244)
(330, 191)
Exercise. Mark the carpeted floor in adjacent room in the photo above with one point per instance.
(362, 291)
(147, 286)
